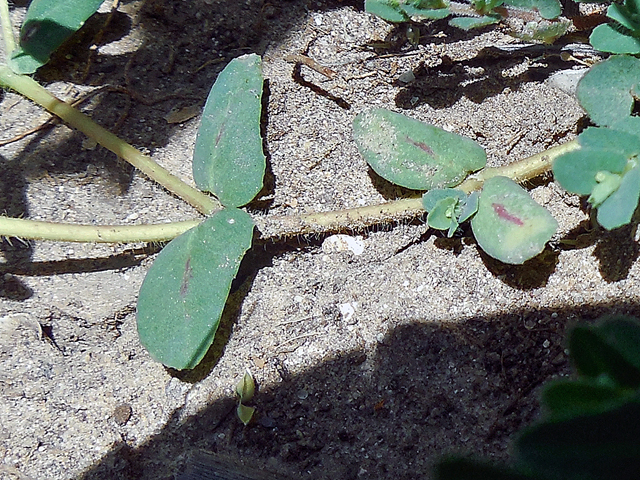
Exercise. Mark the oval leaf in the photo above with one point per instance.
(412, 154)
(228, 160)
(185, 291)
(576, 171)
(388, 10)
(509, 224)
(468, 23)
(47, 24)
(607, 39)
(570, 398)
(607, 91)
(617, 210)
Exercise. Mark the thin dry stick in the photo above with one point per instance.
(312, 64)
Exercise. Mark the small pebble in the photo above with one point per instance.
(122, 414)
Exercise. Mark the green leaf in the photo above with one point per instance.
(245, 414)
(246, 387)
(509, 225)
(427, 13)
(605, 167)
(443, 216)
(607, 39)
(624, 16)
(184, 293)
(47, 24)
(388, 10)
(432, 197)
(612, 140)
(565, 399)
(576, 171)
(228, 160)
(470, 207)
(468, 23)
(446, 207)
(607, 91)
(412, 154)
(617, 210)
(465, 469)
(611, 349)
(549, 9)
(604, 446)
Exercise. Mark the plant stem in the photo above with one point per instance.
(519, 171)
(7, 28)
(31, 89)
(36, 230)
(360, 218)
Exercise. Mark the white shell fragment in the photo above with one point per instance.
(348, 310)
(343, 243)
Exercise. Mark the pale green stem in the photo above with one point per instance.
(36, 230)
(31, 89)
(352, 219)
(7, 29)
(401, 210)
(522, 170)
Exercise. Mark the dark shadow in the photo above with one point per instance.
(530, 275)
(617, 251)
(300, 80)
(127, 259)
(425, 390)
(264, 198)
(581, 236)
(477, 78)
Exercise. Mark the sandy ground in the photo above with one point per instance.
(370, 365)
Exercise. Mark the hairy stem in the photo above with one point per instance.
(520, 171)
(36, 230)
(7, 29)
(400, 210)
(276, 226)
(31, 89)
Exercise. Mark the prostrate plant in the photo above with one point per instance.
(541, 15)
(182, 298)
(590, 428)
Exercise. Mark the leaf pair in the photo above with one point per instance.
(184, 293)
(506, 222)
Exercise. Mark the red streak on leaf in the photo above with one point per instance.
(219, 136)
(186, 277)
(502, 213)
(422, 146)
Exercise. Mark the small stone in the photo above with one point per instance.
(122, 414)
(407, 77)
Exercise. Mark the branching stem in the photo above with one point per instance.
(34, 91)
(276, 226)
(399, 210)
